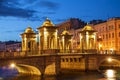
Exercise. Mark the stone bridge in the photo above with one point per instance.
(53, 64)
(89, 61)
(38, 65)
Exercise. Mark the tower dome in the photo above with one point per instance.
(29, 30)
(48, 23)
(88, 28)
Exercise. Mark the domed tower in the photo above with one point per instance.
(48, 36)
(87, 39)
(65, 41)
(29, 40)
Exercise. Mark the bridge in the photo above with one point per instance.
(53, 64)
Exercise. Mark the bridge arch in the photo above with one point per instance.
(27, 69)
(110, 62)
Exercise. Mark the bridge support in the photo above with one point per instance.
(91, 63)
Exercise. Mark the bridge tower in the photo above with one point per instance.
(29, 40)
(88, 39)
(48, 36)
(65, 41)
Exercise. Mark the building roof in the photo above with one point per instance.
(29, 30)
(48, 23)
(88, 28)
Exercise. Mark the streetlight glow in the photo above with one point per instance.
(109, 59)
(12, 65)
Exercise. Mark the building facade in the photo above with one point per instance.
(15, 47)
(10, 46)
(108, 35)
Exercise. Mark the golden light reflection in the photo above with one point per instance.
(110, 74)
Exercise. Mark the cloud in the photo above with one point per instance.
(27, 9)
(49, 5)
(7, 9)
(9, 3)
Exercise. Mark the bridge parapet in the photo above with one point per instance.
(48, 52)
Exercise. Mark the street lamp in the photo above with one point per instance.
(109, 59)
(12, 65)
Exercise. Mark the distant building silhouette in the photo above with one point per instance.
(10, 46)
(72, 23)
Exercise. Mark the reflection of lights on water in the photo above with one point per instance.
(110, 74)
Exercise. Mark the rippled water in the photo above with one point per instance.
(108, 74)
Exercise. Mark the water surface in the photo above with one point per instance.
(109, 74)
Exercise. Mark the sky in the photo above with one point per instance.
(17, 15)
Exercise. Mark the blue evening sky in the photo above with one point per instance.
(17, 15)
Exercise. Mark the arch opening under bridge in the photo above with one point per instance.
(109, 63)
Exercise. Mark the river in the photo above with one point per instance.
(108, 74)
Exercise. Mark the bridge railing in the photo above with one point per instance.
(48, 52)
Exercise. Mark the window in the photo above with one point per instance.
(112, 35)
(71, 60)
(79, 59)
(106, 28)
(103, 28)
(112, 27)
(103, 36)
(109, 35)
(119, 34)
(106, 36)
(119, 26)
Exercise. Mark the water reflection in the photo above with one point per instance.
(110, 74)
(78, 76)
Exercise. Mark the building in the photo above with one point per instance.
(14, 47)
(10, 46)
(72, 23)
(2, 46)
(108, 35)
